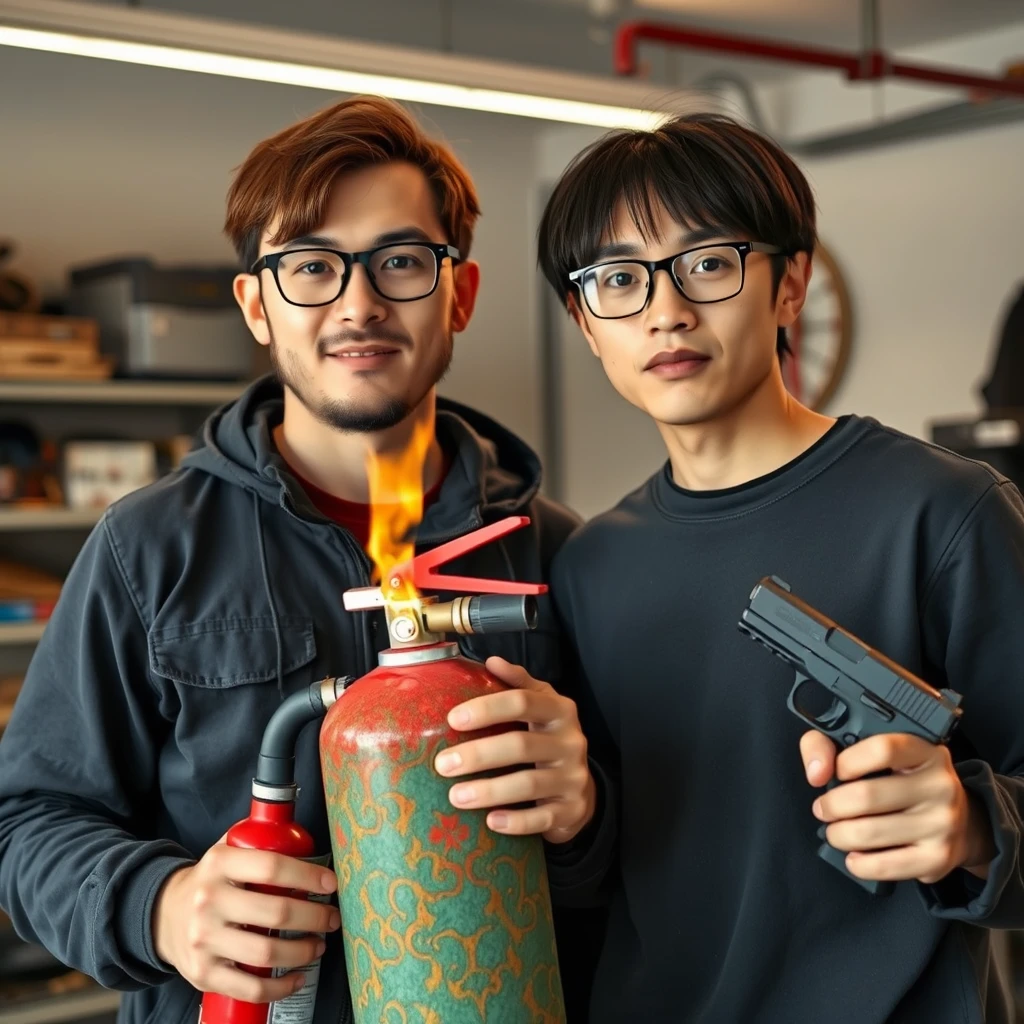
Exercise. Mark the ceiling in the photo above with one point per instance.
(576, 35)
(833, 22)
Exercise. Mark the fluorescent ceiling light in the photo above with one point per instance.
(312, 76)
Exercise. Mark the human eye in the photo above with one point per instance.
(618, 277)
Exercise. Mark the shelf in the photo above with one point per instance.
(12, 633)
(57, 1009)
(43, 518)
(124, 392)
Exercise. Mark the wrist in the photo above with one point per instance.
(590, 807)
(162, 921)
(980, 842)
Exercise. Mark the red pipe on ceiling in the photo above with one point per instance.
(866, 67)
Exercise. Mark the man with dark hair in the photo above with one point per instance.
(683, 254)
(199, 603)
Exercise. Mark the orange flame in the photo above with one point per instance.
(396, 508)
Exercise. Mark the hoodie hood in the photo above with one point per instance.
(493, 473)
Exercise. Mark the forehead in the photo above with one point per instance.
(373, 201)
(646, 231)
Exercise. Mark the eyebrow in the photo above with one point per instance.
(617, 250)
(406, 234)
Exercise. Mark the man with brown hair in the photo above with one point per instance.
(200, 602)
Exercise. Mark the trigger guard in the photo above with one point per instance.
(833, 734)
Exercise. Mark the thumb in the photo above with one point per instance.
(819, 757)
(512, 675)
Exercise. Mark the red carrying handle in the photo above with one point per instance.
(422, 570)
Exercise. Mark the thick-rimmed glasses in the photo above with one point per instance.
(400, 272)
(709, 273)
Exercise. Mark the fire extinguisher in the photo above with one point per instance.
(441, 917)
(271, 826)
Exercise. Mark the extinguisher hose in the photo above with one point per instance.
(276, 765)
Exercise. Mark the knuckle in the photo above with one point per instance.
(263, 953)
(198, 972)
(202, 897)
(519, 702)
(519, 744)
(264, 865)
(577, 744)
(195, 935)
(250, 990)
(278, 913)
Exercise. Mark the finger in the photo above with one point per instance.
(819, 757)
(895, 751)
(281, 913)
(885, 795)
(537, 707)
(513, 675)
(515, 788)
(901, 864)
(545, 818)
(880, 832)
(267, 951)
(227, 980)
(260, 867)
(505, 750)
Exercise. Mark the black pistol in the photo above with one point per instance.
(843, 688)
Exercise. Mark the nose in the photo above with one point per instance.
(668, 310)
(359, 304)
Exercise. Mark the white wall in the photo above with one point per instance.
(101, 159)
(928, 234)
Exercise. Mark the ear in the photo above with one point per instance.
(247, 294)
(793, 289)
(581, 321)
(467, 285)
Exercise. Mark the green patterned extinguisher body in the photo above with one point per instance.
(444, 921)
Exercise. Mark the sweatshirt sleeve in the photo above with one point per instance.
(579, 870)
(78, 783)
(973, 618)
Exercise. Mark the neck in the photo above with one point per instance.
(761, 433)
(335, 460)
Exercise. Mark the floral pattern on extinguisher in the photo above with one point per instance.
(443, 919)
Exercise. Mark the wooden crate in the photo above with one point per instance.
(32, 326)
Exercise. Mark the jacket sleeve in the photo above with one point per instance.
(78, 783)
(973, 615)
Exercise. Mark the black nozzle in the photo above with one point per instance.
(502, 613)
(276, 765)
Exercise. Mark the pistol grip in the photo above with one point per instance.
(837, 858)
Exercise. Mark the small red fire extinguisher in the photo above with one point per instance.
(271, 826)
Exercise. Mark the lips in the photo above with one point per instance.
(363, 353)
(678, 355)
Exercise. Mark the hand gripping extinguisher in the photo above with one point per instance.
(271, 826)
(443, 920)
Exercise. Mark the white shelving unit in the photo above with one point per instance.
(25, 532)
(58, 1009)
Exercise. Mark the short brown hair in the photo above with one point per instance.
(291, 173)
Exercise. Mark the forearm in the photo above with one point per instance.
(83, 887)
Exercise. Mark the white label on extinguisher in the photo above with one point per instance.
(298, 1008)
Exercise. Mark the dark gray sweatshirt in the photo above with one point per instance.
(721, 911)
